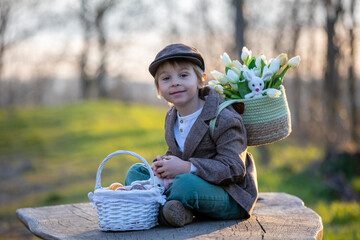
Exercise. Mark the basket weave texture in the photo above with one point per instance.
(266, 119)
(127, 210)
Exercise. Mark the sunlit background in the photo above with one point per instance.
(75, 86)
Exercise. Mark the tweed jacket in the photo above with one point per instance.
(222, 159)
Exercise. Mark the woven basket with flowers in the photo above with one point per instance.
(258, 84)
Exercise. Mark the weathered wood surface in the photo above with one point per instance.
(276, 216)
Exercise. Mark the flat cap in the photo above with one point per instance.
(177, 51)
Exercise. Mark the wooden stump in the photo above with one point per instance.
(276, 216)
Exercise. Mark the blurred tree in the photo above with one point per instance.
(10, 11)
(85, 79)
(337, 148)
(172, 9)
(93, 20)
(12, 32)
(296, 27)
(240, 26)
(4, 17)
(337, 59)
(332, 100)
(355, 134)
(101, 73)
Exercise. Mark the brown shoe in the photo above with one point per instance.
(173, 213)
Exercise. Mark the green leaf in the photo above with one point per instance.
(267, 83)
(262, 66)
(242, 78)
(271, 81)
(234, 92)
(252, 63)
(227, 93)
(235, 97)
(227, 69)
(277, 83)
(243, 88)
(282, 74)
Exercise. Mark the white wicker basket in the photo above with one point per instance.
(127, 210)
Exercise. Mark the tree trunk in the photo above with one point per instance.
(4, 17)
(352, 83)
(331, 76)
(85, 79)
(239, 25)
(101, 73)
(297, 94)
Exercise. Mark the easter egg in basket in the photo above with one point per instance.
(115, 185)
(137, 187)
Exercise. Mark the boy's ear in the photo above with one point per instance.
(159, 93)
(202, 82)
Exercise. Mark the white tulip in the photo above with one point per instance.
(219, 89)
(236, 70)
(257, 71)
(294, 62)
(232, 76)
(245, 54)
(226, 61)
(237, 64)
(273, 93)
(219, 77)
(267, 72)
(223, 80)
(212, 83)
(216, 74)
(258, 60)
(283, 59)
(234, 86)
(237, 67)
(275, 65)
(244, 68)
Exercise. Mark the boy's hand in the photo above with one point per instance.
(170, 166)
(154, 167)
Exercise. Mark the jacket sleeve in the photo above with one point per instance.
(228, 164)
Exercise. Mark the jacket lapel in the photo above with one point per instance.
(200, 127)
(169, 132)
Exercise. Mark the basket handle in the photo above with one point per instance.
(220, 108)
(98, 174)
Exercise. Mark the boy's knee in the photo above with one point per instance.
(185, 185)
(186, 179)
(136, 172)
(137, 167)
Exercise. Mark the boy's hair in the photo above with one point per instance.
(175, 62)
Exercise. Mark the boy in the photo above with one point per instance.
(212, 176)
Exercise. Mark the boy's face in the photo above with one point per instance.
(179, 84)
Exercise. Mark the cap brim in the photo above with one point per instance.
(155, 65)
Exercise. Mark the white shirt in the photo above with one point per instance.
(182, 128)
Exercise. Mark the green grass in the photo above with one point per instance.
(50, 155)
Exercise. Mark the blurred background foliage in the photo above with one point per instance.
(74, 87)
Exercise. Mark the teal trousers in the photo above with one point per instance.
(204, 198)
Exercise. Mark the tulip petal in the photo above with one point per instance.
(216, 74)
(275, 65)
(294, 62)
(273, 93)
(226, 61)
(232, 76)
